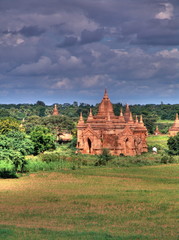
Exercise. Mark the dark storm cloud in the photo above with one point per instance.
(91, 36)
(31, 31)
(68, 41)
(84, 46)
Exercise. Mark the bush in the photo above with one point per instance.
(7, 170)
(164, 159)
(50, 157)
(167, 159)
(103, 158)
(15, 157)
(173, 145)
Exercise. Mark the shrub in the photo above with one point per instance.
(103, 158)
(173, 145)
(50, 157)
(167, 159)
(164, 159)
(7, 169)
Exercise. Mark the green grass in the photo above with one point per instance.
(91, 203)
(165, 121)
(159, 140)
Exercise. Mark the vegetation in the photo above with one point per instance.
(92, 203)
(173, 145)
(153, 114)
(42, 139)
(66, 195)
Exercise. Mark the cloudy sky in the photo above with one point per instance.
(71, 50)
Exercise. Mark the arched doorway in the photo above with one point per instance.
(89, 145)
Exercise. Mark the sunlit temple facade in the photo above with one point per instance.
(120, 134)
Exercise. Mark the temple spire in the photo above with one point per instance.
(131, 118)
(176, 116)
(141, 120)
(90, 117)
(121, 117)
(127, 114)
(81, 121)
(105, 106)
(136, 119)
(105, 94)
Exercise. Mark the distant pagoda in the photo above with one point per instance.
(175, 128)
(157, 132)
(55, 111)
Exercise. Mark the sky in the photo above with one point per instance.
(61, 51)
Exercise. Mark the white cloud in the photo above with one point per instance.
(10, 39)
(67, 61)
(96, 80)
(167, 13)
(174, 53)
(63, 83)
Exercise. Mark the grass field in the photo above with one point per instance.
(159, 140)
(137, 203)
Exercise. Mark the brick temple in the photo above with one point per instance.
(175, 128)
(120, 134)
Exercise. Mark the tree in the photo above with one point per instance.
(42, 139)
(14, 146)
(173, 145)
(8, 124)
(40, 103)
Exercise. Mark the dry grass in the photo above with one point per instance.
(127, 203)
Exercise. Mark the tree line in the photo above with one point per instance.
(152, 113)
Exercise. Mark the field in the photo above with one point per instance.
(137, 203)
(158, 141)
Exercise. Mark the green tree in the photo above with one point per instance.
(8, 124)
(173, 145)
(42, 139)
(14, 146)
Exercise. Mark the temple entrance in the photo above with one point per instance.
(89, 145)
(127, 145)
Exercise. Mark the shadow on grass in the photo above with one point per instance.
(13, 233)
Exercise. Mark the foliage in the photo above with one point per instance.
(58, 124)
(167, 159)
(7, 169)
(17, 141)
(14, 146)
(42, 139)
(7, 125)
(173, 145)
(36, 114)
(15, 157)
(103, 158)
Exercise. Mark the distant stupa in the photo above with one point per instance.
(175, 128)
(55, 111)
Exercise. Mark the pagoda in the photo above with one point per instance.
(121, 135)
(157, 132)
(175, 128)
(55, 111)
